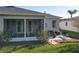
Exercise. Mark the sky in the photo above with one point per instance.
(54, 10)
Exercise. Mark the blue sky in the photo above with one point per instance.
(54, 10)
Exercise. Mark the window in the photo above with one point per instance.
(13, 22)
(66, 24)
(8, 24)
(39, 24)
(19, 26)
(29, 26)
(53, 23)
(35, 22)
(45, 24)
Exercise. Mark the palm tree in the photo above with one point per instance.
(72, 12)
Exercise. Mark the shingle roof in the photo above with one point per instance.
(20, 11)
(12, 9)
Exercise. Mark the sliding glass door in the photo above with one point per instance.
(20, 28)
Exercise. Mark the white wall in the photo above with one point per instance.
(49, 24)
(1, 24)
(69, 26)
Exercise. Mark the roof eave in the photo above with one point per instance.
(19, 14)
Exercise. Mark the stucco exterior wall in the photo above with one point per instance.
(49, 24)
(62, 25)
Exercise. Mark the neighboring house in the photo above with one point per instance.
(69, 24)
(25, 23)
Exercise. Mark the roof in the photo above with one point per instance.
(52, 16)
(12, 10)
(77, 17)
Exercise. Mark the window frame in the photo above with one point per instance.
(53, 23)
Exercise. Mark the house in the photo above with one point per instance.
(69, 24)
(25, 23)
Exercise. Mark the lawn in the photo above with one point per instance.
(63, 47)
(41, 48)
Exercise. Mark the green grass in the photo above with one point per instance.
(42, 48)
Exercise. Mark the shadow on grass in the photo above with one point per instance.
(28, 46)
(14, 46)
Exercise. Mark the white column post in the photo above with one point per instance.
(25, 28)
(44, 24)
(45, 16)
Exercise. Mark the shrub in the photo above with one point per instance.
(5, 37)
(43, 35)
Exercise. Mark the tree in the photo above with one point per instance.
(71, 12)
(75, 21)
